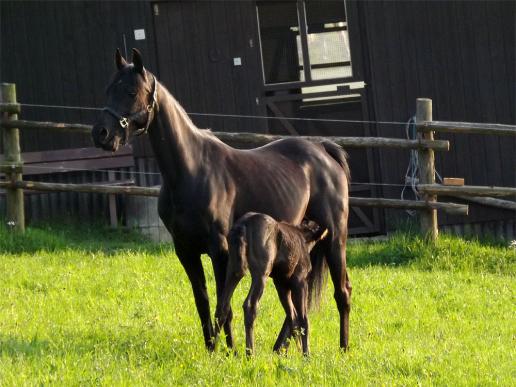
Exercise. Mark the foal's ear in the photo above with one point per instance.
(138, 62)
(119, 60)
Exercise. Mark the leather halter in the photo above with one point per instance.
(124, 121)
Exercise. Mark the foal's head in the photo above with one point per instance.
(131, 104)
(312, 233)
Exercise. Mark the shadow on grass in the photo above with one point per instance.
(87, 238)
(448, 253)
(403, 248)
(398, 250)
(14, 346)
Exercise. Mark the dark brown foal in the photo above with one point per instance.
(268, 248)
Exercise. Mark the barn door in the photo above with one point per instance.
(311, 68)
(207, 57)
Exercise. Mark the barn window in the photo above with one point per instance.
(304, 41)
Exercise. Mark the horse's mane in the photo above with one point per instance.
(173, 104)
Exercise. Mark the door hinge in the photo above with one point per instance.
(155, 8)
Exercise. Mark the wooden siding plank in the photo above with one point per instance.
(501, 35)
(460, 145)
(445, 164)
(253, 67)
(466, 19)
(486, 93)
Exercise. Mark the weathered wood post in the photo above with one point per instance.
(427, 169)
(12, 157)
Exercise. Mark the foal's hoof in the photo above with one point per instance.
(211, 345)
(281, 351)
(231, 352)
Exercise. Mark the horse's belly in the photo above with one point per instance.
(284, 198)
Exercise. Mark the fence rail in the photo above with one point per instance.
(256, 139)
(451, 208)
(10, 107)
(425, 144)
(467, 190)
(468, 128)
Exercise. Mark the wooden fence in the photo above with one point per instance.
(425, 144)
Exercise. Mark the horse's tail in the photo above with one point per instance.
(339, 155)
(317, 276)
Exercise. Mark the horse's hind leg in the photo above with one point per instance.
(336, 259)
(250, 306)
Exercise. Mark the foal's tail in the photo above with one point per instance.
(237, 249)
(339, 155)
(317, 277)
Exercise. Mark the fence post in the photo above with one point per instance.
(427, 169)
(12, 155)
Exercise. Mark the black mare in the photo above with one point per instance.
(206, 185)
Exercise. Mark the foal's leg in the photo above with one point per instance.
(300, 300)
(250, 306)
(337, 264)
(287, 328)
(224, 302)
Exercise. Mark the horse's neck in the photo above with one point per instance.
(176, 141)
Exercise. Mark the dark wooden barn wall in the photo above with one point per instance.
(60, 53)
(197, 43)
(459, 54)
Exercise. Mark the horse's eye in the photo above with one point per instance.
(132, 94)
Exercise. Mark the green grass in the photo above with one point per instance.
(83, 307)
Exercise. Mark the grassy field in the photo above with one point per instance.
(79, 307)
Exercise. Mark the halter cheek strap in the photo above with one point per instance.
(125, 121)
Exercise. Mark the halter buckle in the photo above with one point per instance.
(149, 108)
(124, 122)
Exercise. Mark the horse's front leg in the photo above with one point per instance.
(195, 272)
(219, 259)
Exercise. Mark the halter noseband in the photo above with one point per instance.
(149, 109)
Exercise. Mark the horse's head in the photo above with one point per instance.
(131, 104)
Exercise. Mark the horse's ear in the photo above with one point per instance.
(119, 60)
(138, 62)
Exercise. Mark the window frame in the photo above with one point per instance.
(353, 37)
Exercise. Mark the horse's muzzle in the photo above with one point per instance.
(102, 138)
